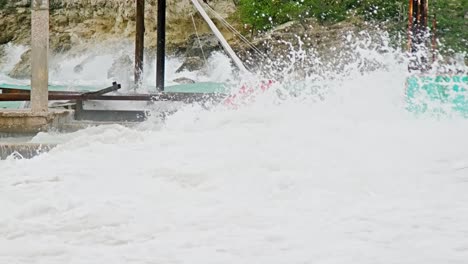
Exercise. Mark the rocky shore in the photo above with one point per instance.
(76, 25)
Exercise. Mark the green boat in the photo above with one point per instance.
(437, 95)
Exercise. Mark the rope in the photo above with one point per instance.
(236, 32)
(199, 41)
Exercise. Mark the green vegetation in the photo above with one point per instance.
(265, 14)
(3, 3)
(452, 24)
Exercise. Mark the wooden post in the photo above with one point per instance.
(418, 34)
(161, 45)
(139, 41)
(417, 23)
(434, 39)
(39, 55)
(410, 24)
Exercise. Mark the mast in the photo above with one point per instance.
(161, 45)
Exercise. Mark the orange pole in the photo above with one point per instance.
(434, 38)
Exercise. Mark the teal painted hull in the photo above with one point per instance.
(439, 95)
(202, 87)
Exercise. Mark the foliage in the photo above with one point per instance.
(3, 3)
(265, 14)
(452, 25)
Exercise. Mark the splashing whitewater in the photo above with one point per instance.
(327, 167)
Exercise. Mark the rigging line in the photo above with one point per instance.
(199, 41)
(237, 61)
(229, 26)
(250, 45)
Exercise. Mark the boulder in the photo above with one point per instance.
(122, 66)
(78, 68)
(74, 23)
(6, 35)
(5, 38)
(205, 45)
(2, 54)
(191, 64)
(22, 3)
(183, 80)
(22, 69)
(197, 49)
(60, 43)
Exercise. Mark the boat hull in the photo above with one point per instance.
(437, 94)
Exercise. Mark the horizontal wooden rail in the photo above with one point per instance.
(59, 96)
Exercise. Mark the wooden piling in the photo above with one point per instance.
(139, 41)
(417, 23)
(39, 55)
(410, 24)
(161, 45)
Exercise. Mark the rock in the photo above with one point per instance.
(122, 66)
(191, 64)
(60, 43)
(208, 42)
(22, 3)
(61, 20)
(22, 69)
(5, 37)
(2, 54)
(183, 80)
(290, 27)
(74, 23)
(466, 15)
(78, 68)
(197, 49)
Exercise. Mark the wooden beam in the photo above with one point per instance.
(161, 45)
(39, 55)
(139, 41)
(178, 97)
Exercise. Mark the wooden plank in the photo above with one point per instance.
(182, 97)
(139, 41)
(109, 89)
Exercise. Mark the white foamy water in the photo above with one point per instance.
(94, 64)
(345, 177)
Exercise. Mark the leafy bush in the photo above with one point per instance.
(3, 3)
(265, 14)
(452, 25)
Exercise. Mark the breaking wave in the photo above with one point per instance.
(326, 166)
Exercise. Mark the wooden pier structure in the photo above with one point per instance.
(39, 117)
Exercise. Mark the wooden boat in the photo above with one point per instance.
(427, 92)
